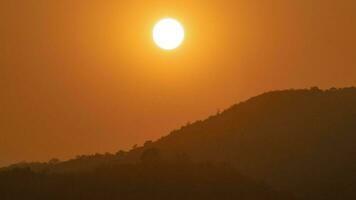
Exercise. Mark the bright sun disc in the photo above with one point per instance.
(168, 34)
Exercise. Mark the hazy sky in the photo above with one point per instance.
(79, 77)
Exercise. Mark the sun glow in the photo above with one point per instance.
(168, 34)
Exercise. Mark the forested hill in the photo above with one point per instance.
(302, 141)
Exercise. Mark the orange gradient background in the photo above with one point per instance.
(80, 77)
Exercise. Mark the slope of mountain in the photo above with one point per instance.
(299, 140)
(302, 141)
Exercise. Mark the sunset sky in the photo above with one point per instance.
(80, 77)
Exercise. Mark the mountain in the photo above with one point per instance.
(302, 141)
(297, 140)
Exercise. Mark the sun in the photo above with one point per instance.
(168, 34)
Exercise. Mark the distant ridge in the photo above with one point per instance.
(302, 141)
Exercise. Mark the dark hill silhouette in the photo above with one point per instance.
(302, 141)
(152, 178)
(299, 140)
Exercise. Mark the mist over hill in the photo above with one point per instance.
(300, 141)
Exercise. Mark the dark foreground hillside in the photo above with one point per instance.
(154, 180)
(302, 141)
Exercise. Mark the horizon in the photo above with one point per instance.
(186, 124)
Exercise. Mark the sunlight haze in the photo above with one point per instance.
(84, 77)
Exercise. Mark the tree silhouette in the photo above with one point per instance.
(151, 156)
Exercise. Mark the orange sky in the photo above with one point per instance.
(79, 77)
